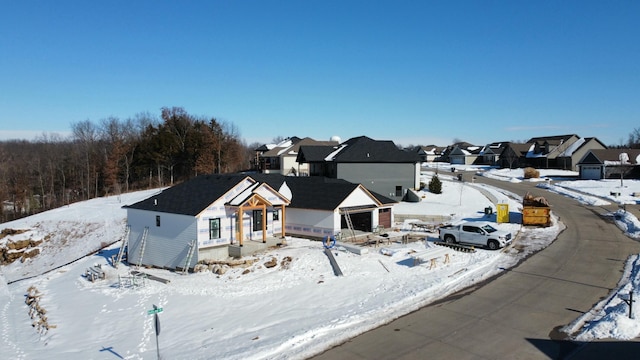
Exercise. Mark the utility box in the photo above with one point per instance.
(536, 211)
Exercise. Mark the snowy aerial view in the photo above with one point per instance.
(284, 303)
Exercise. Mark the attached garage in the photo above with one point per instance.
(591, 172)
(361, 221)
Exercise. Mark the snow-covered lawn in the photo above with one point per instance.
(292, 310)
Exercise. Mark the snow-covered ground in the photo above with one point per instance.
(290, 311)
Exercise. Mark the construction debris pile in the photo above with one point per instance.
(530, 200)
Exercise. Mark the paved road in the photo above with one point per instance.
(516, 315)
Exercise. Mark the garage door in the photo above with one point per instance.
(590, 172)
(361, 221)
(384, 218)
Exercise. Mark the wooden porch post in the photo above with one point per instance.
(264, 223)
(240, 224)
(284, 218)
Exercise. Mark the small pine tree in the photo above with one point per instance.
(435, 185)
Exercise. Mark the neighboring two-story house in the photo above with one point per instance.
(544, 151)
(559, 152)
(281, 158)
(378, 165)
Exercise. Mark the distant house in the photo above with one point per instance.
(544, 151)
(490, 154)
(430, 153)
(463, 153)
(610, 164)
(559, 152)
(512, 155)
(569, 158)
(281, 158)
(503, 154)
(378, 165)
(211, 212)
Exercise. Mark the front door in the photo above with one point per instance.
(257, 220)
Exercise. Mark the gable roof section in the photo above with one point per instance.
(600, 156)
(292, 146)
(520, 148)
(261, 191)
(591, 140)
(366, 150)
(458, 151)
(433, 149)
(317, 192)
(190, 197)
(314, 153)
(551, 140)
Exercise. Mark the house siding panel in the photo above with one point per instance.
(167, 245)
(380, 177)
(216, 211)
(312, 223)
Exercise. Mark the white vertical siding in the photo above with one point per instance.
(167, 245)
(313, 223)
(215, 211)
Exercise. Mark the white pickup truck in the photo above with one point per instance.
(475, 233)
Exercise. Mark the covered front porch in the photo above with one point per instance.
(251, 208)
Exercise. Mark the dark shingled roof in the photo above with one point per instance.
(599, 156)
(360, 150)
(315, 192)
(314, 153)
(553, 140)
(193, 196)
(364, 149)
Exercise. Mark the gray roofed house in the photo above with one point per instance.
(379, 165)
(512, 155)
(430, 153)
(569, 158)
(210, 213)
(545, 150)
(281, 158)
(606, 164)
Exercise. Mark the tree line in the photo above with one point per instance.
(116, 156)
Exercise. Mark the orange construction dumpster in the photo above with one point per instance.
(535, 211)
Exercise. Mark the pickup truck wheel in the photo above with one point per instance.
(449, 239)
(493, 245)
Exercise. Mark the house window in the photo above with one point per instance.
(257, 220)
(214, 228)
(276, 215)
(157, 220)
(398, 190)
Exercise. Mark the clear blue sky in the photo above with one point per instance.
(415, 72)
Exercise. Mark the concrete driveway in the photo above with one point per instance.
(518, 314)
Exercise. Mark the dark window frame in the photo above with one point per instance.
(213, 229)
